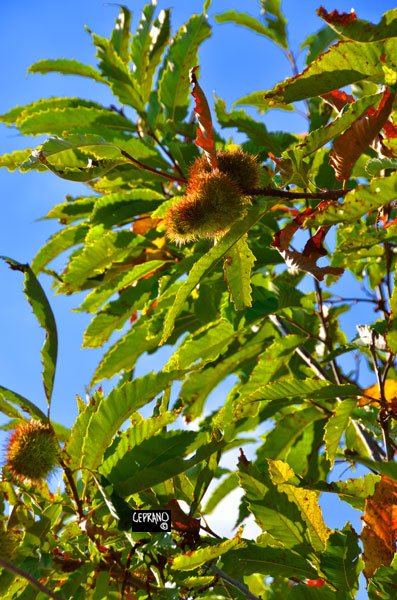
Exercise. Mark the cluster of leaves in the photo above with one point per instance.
(223, 309)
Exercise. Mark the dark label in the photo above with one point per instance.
(151, 520)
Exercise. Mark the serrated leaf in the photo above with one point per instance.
(13, 161)
(66, 66)
(181, 57)
(43, 313)
(382, 585)
(204, 265)
(317, 42)
(99, 253)
(70, 120)
(7, 396)
(224, 488)
(72, 210)
(120, 37)
(305, 500)
(158, 459)
(276, 22)
(343, 64)
(357, 29)
(336, 426)
(203, 346)
(125, 352)
(59, 242)
(302, 388)
(196, 558)
(237, 266)
(122, 207)
(340, 561)
(160, 35)
(251, 23)
(111, 412)
(363, 199)
(117, 74)
(268, 561)
(354, 491)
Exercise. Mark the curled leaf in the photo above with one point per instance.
(335, 17)
(313, 250)
(351, 144)
(337, 99)
(380, 526)
(205, 132)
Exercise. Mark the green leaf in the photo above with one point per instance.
(203, 346)
(363, 199)
(120, 38)
(276, 22)
(375, 165)
(297, 388)
(59, 242)
(354, 491)
(74, 209)
(196, 558)
(343, 64)
(387, 468)
(99, 295)
(317, 43)
(141, 42)
(71, 120)
(158, 459)
(382, 586)
(255, 131)
(66, 66)
(245, 20)
(237, 266)
(43, 313)
(337, 425)
(305, 500)
(363, 31)
(101, 250)
(205, 264)
(174, 85)
(341, 563)
(111, 412)
(13, 161)
(7, 397)
(121, 208)
(269, 560)
(224, 488)
(273, 511)
(117, 73)
(125, 352)
(257, 99)
(319, 137)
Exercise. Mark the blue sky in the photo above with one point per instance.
(233, 62)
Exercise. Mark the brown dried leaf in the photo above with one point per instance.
(336, 17)
(337, 99)
(350, 145)
(379, 532)
(314, 249)
(205, 132)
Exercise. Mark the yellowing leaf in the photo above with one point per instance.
(380, 526)
(372, 394)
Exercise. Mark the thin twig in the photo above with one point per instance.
(234, 582)
(327, 340)
(274, 193)
(167, 152)
(17, 571)
(70, 479)
(383, 414)
(374, 450)
(151, 169)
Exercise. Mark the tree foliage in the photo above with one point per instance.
(231, 302)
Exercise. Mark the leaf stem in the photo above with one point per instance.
(151, 169)
(18, 571)
(383, 418)
(72, 485)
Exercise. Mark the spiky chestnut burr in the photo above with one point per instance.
(208, 210)
(32, 452)
(241, 167)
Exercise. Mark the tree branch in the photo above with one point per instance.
(383, 418)
(17, 571)
(151, 170)
(274, 193)
(374, 450)
(237, 584)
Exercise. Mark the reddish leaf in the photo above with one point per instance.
(205, 132)
(380, 526)
(306, 260)
(337, 99)
(351, 144)
(390, 129)
(336, 17)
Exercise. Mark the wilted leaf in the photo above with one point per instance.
(205, 133)
(380, 526)
(349, 26)
(350, 145)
